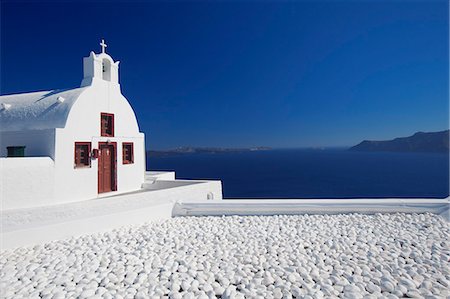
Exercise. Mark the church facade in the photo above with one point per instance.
(62, 146)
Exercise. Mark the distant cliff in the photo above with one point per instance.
(419, 142)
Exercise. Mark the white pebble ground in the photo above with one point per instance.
(304, 256)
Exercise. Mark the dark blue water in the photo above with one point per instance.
(315, 173)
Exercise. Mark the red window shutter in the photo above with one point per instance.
(82, 154)
(107, 124)
(127, 153)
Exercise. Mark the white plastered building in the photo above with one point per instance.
(62, 146)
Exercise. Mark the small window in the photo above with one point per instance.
(128, 153)
(107, 124)
(16, 151)
(82, 154)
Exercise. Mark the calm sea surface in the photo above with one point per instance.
(315, 173)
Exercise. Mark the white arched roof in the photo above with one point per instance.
(37, 110)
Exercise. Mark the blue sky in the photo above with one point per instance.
(232, 74)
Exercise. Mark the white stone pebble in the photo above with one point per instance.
(307, 256)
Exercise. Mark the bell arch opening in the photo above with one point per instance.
(106, 69)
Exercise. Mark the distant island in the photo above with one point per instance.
(203, 150)
(419, 142)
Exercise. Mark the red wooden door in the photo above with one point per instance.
(106, 168)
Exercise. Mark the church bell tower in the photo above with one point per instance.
(100, 68)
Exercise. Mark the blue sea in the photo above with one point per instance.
(315, 173)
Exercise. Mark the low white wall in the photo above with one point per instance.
(38, 143)
(192, 190)
(246, 207)
(81, 226)
(160, 175)
(26, 182)
(23, 227)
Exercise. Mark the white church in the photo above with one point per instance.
(62, 146)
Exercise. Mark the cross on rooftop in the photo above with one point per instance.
(103, 45)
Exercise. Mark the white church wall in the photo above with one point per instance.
(26, 182)
(131, 176)
(83, 125)
(72, 184)
(38, 143)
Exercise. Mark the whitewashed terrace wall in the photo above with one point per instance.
(187, 189)
(25, 182)
(39, 143)
(249, 207)
(43, 224)
(159, 175)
